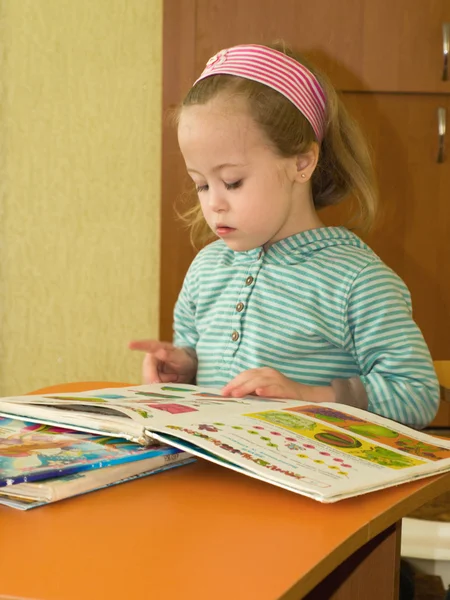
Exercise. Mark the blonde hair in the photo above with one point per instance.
(344, 167)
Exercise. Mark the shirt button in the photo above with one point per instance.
(235, 336)
(240, 306)
(249, 280)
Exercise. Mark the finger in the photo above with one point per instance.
(169, 377)
(250, 386)
(271, 391)
(150, 370)
(149, 345)
(161, 355)
(171, 356)
(239, 380)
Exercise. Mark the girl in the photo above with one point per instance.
(281, 305)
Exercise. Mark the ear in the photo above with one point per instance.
(306, 163)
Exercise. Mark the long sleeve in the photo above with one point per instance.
(396, 368)
(185, 331)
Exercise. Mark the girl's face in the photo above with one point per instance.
(249, 195)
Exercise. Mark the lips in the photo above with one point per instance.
(223, 229)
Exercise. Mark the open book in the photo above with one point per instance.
(324, 451)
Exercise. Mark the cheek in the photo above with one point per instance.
(265, 193)
(272, 181)
(204, 205)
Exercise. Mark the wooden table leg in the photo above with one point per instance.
(371, 573)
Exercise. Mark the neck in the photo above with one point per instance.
(303, 218)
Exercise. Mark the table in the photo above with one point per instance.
(204, 532)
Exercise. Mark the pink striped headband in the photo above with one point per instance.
(279, 72)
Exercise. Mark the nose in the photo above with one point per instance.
(216, 200)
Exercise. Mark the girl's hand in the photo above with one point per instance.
(272, 384)
(165, 363)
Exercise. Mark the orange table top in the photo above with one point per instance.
(197, 532)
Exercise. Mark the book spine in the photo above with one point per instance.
(22, 503)
(91, 480)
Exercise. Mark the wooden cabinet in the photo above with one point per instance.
(412, 233)
(382, 45)
(387, 58)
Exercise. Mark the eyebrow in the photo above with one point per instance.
(219, 167)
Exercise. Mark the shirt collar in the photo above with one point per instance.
(297, 247)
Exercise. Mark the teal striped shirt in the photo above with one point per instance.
(317, 306)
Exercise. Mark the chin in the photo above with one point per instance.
(241, 246)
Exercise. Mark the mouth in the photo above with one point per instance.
(223, 230)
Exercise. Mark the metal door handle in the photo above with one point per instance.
(442, 126)
(445, 49)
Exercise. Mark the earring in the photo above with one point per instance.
(303, 175)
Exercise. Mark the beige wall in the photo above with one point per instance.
(79, 176)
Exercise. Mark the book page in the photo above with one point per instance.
(316, 450)
(128, 411)
(322, 450)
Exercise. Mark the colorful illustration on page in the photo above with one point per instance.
(274, 440)
(199, 431)
(96, 399)
(373, 431)
(333, 438)
(29, 448)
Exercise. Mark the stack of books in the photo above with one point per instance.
(327, 452)
(40, 464)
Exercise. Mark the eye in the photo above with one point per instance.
(234, 186)
(201, 188)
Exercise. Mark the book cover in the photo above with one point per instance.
(25, 496)
(31, 451)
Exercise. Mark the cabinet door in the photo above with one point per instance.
(179, 43)
(382, 45)
(412, 234)
(386, 45)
